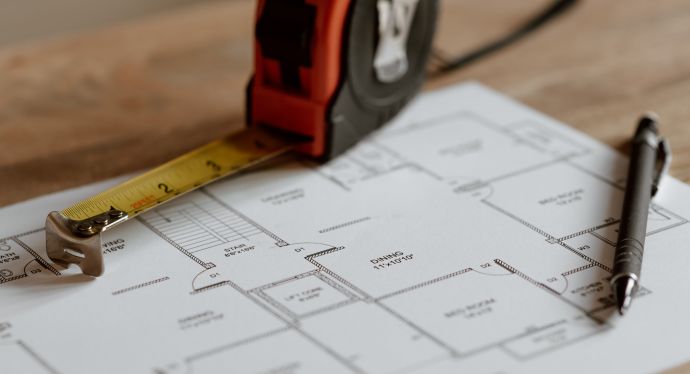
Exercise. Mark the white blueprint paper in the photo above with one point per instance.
(472, 235)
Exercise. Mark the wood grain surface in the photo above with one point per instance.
(97, 104)
(94, 105)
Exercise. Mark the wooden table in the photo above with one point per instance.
(90, 106)
(94, 105)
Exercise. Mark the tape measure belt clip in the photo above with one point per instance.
(369, 97)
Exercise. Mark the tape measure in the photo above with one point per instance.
(326, 73)
(184, 174)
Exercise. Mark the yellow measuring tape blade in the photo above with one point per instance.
(186, 173)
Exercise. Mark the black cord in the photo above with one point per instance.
(446, 64)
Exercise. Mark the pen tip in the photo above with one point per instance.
(623, 289)
(623, 306)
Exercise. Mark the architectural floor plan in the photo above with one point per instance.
(471, 235)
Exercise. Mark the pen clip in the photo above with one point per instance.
(662, 163)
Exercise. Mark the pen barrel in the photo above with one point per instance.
(638, 194)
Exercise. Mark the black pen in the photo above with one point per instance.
(649, 160)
